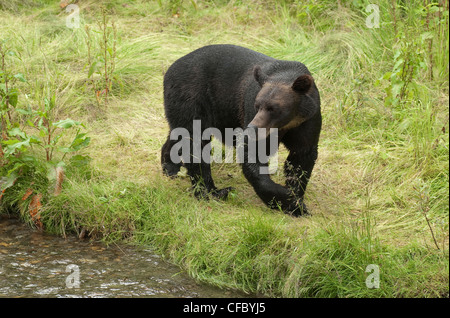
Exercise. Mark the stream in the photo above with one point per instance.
(35, 264)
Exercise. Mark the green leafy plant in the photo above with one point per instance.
(8, 93)
(435, 23)
(32, 137)
(103, 62)
(420, 43)
(409, 61)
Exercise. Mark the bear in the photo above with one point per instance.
(226, 85)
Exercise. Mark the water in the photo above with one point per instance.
(34, 264)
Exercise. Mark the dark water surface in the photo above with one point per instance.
(35, 264)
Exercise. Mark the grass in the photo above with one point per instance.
(381, 169)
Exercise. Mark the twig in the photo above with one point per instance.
(424, 210)
(431, 230)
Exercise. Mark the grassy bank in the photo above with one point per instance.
(379, 191)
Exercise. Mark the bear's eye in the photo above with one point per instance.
(269, 109)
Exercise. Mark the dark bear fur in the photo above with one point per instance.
(227, 86)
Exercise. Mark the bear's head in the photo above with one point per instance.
(283, 105)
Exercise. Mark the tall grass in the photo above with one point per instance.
(379, 191)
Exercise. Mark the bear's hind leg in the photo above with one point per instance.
(201, 178)
(170, 168)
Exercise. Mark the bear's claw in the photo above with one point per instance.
(222, 193)
(297, 209)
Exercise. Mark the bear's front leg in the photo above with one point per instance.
(302, 143)
(297, 169)
(272, 193)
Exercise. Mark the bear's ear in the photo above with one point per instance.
(303, 84)
(259, 76)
